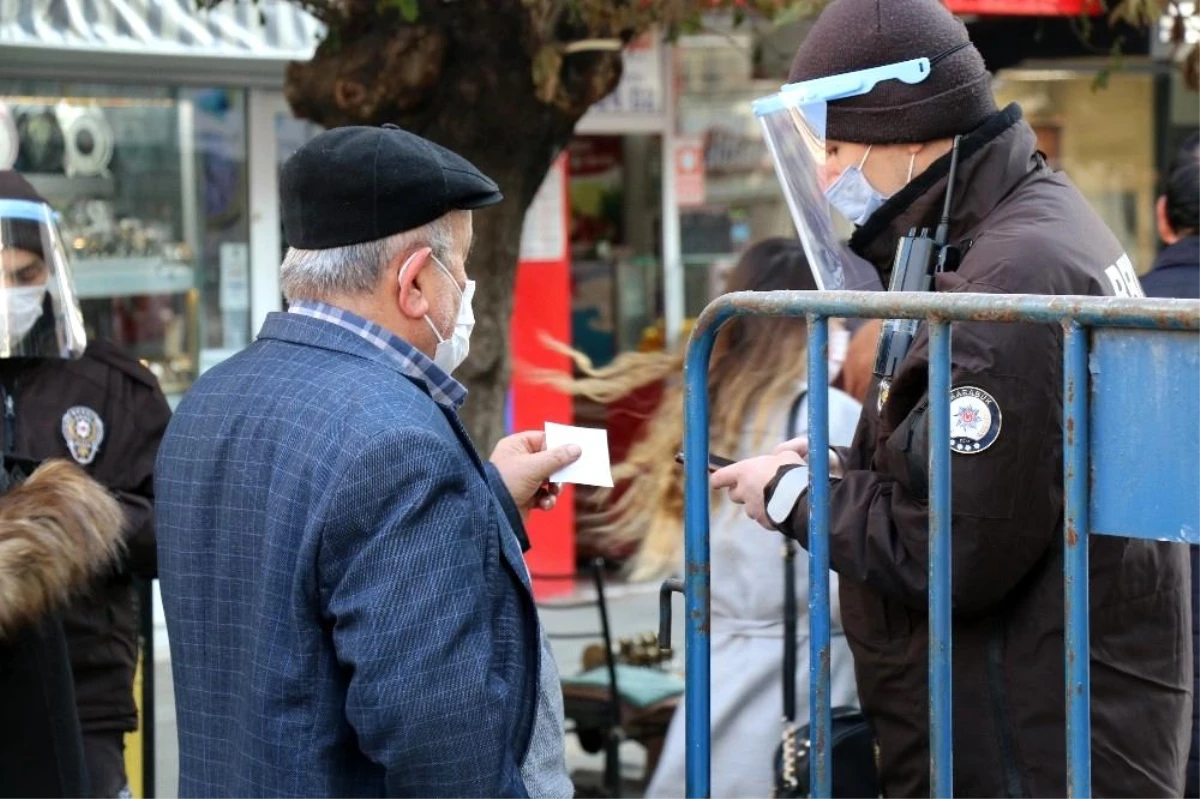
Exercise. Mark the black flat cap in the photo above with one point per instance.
(358, 184)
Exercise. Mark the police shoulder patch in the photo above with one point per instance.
(974, 420)
(83, 430)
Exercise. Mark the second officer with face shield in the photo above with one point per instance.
(102, 410)
(882, 90)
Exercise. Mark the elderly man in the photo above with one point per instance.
(345, 592)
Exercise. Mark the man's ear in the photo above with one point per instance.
(1165, 231)
(409, 277)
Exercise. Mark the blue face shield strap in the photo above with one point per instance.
(26, 210)
(855, 84)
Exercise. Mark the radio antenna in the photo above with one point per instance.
(943, 228)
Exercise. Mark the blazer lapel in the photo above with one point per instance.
(508, 540)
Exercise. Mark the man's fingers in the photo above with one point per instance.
(531, 440)
(547, 462)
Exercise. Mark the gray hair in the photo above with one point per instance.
(357, 268)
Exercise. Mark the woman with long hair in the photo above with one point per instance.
(757, 389)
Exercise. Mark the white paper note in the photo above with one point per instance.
(593, 467)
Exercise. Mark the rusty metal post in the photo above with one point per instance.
(697, 577)
(1075, 561)
(941, 718)
(820, 775)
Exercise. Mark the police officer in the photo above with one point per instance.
(99, 408)
(1021, 228)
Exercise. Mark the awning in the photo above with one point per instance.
(272, 29)
(238, 42)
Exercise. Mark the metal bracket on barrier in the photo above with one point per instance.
(672, 585)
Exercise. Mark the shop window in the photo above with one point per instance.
(615, 194)
(151, 187)
(1109, 156)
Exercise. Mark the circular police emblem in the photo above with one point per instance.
(84, 431)
(974, 420)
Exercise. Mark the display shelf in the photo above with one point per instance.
(97, 278)
(55, 187)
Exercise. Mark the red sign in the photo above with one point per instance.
(542, 305)
(1027, 8)
(689, 171)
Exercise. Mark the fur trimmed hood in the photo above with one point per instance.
(57, 529)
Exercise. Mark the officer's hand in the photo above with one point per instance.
(800, 447)
(747, 482)
(525, 465)
(796, 445)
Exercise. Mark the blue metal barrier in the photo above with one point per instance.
(1131, 332)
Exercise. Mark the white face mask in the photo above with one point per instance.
(452, 351)
(854, 196)
(24, 306)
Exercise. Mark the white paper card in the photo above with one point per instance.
(593, 467)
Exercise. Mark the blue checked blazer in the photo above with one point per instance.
(347, 605)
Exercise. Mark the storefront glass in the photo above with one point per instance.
(1103, 138)
(719, 77)
(151, 187)
(615, 187)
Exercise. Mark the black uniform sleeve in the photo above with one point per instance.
(133, 481)
(1006, 500)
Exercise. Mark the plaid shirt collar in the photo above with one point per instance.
(445, 390)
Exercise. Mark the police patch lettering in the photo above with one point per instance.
(84, 431)
(974, 420)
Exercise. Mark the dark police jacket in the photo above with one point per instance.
(54, 407)
(1030, 231)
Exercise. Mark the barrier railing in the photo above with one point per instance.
(1152, 344)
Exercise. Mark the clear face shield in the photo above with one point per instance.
(39, 315)
(793, 124)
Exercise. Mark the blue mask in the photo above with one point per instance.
(853, 195)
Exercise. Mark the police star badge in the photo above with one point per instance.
(84, 431)
(974, 420)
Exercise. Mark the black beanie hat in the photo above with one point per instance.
(860, 34)
(20, 234)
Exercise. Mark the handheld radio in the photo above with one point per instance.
(918, 258)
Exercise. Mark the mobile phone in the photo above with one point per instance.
(714, 461)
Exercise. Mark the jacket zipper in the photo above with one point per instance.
(995, 669)
(10, 415)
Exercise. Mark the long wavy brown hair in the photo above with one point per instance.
(757, 364)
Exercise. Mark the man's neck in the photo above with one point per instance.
(366, 307)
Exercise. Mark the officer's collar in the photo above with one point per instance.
(992, 160)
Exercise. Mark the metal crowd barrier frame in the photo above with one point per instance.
(1155, 345)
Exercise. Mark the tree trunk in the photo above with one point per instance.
(463, 77)
(493, 264)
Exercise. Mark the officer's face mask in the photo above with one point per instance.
(452, 350)
(23, 306)
(854, 196)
